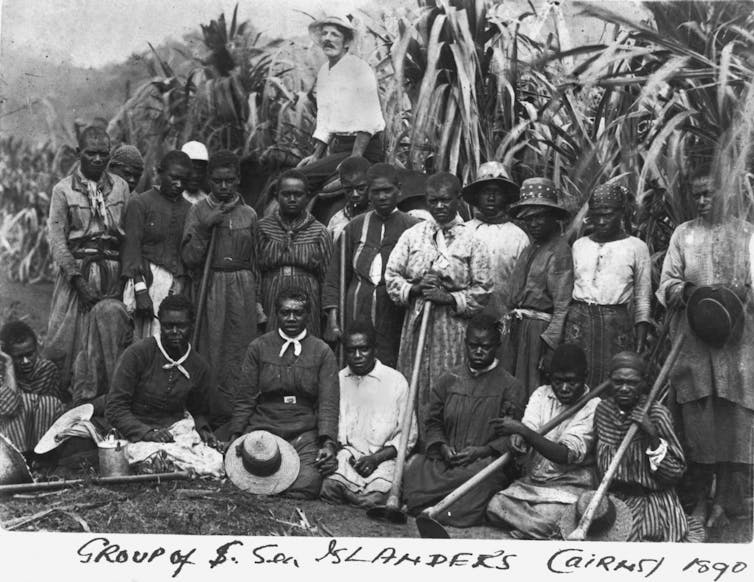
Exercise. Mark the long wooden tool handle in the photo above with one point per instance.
(53, 485)
(203, 288)
(342, 297)
(393, 499)
(498, 463)
(586, 519)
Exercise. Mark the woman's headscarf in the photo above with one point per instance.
(630, 360)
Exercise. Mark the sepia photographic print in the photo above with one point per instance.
(385, 289)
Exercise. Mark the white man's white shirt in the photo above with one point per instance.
(347, 99)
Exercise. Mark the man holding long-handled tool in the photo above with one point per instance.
(369, 239)
(560, 465)
(229, 311)
(640, 466)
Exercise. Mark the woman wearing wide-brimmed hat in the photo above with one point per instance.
(540, 285)
(491, 194)
(612, 285)
(713, 378)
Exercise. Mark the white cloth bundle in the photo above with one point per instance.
(188, 451)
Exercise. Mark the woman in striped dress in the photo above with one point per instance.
(294, 250)
(653, 464)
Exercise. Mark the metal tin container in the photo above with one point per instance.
(112, 458)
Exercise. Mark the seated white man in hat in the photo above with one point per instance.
(353, 179)
(372, 402)
(559, 465)
(157, 381)
(196, 185)
(653, 463)
(30, 397)
(460, 440)
(288, 386)
(349, 116)
(491, 194)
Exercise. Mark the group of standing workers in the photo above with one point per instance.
(501, 321)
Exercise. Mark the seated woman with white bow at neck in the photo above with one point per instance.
(289, 386)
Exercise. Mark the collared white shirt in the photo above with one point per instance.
(347, 99)
(371, 409)
(613, 273)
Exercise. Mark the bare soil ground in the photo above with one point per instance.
(197, 506)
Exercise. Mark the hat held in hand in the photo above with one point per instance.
(612, 520)
(715, 315)
(262, 463)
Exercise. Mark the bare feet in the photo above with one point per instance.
(700, 511)
(717, 517)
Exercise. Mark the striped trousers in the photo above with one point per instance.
(30, 422)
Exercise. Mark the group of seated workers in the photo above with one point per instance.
(345, 426)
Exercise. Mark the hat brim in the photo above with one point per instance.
(284, 477)
(48, 442)
(716, 315)
(470, 192)
(316, 26)
(516, 209)
(618, 532)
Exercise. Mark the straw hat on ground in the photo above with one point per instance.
(612, 520)
(74, 423)
(262, 463)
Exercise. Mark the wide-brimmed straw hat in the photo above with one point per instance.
(715, 315)
(315, 28)
(491, 173)
(538, 193)
(74, 423)
(13, 467)
(262, 463)
(612, 520)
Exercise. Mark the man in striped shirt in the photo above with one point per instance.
(369, 239)
(29, 388)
